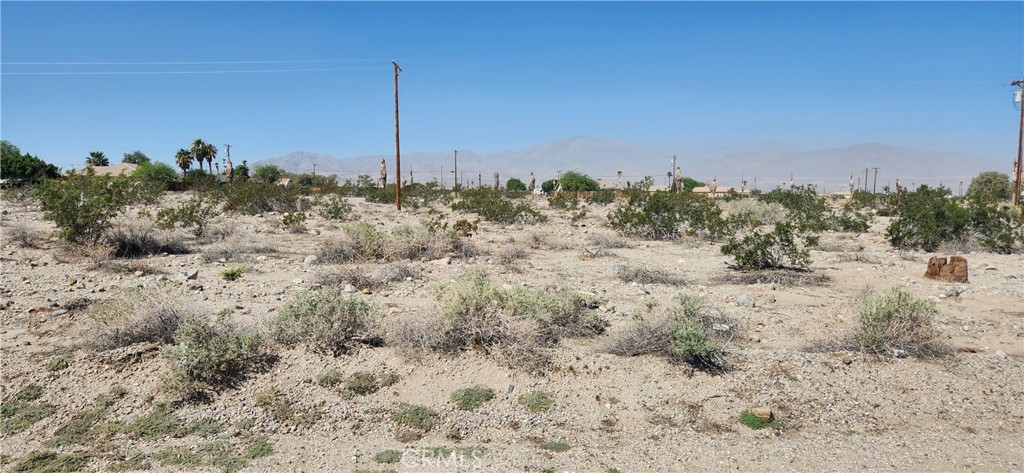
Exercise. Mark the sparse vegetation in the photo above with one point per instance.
(195, 215)
(42, 461)
(771, 250)
(536, 401)
(211, 355)
(469, 399)
(23, 410)
(896, 321)
(232, 274)
(326, 321)
(137, 315)
(388, 456)
(557, 447)
(492, 206)
(414, 416)
(647, 276)
(751, 420)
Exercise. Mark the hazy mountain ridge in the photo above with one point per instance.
(770, 163)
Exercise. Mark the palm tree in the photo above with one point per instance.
(184, 159)
(97, 158)
(204, 151)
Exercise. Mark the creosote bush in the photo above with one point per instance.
(194, 215)
(662, 215)
(898, 320)
(775, 249)
(686, 331)
(493, 206)
(469, 399)
(363, 242)
(326, 321)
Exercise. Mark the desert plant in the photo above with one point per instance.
(251, 198)
(326, 321)
(515, 184)
(336, 208)
(293, 220)
(40, 461)
(469, 399)
(136, 315)
(155, 174)
(23, 168)
(536, 401)
(23, 410)
(268, 173)
(989, 186)
(195, 214)
(686, 331)
(926, 218)
(647, 276)
(775, 249)
(210, 355)
(896, 322)
(232, 274)
(388, 456)
(82, 205)
(667, 215)
(751, 420)
(573, 181)
(134, 240)
(362, 383)
(492, 206)
(329, 378)
(414, 416)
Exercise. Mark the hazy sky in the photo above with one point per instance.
(489, 77)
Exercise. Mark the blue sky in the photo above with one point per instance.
(490, 77)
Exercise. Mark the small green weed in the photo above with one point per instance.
(58, 363)
(388, 456)
(232, 274)
(414, 416)
(44, 461)
(557, 447)
(536, 401)
(748, 419)
(329, 378)
(469, 399)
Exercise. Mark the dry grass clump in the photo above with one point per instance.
(24, 237)
(210, 354)
(647, 276)
(605, 240)
(688, 331)
(370, 277)
(511, 258)
(857, 258)
(513, 324)
(136, 315)
(896, 322)
(547, 241)
(234, 248)
(326, 321)
(143, 239)
(781, 277)
(363, 242)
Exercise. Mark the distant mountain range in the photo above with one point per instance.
(765, 165)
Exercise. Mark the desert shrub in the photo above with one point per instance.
(81, 428)
(326, 320)
(82, 205)
(362, 383)
(688, 330)
(536, 401)
(897, 320)
(564, 201)
(997, 228)
(251, 198)
(926, 218)
(667, 215)
(775, 249)
(194, 215)
(754, 211)
(232, 274)
(557, 447)
(371, 277)
(293, 220)
(329, 378)
(573, 181)
(990, 187)
(335, 207)
(492, 206)
(209, 355)
(414, 416)
(141, 239)
(234, 248)
(155, 174)
(647, 276)
(515, 185)
(469, 399)
(848, 219)
(364, 242)
(24, 237)
(807, 210)
(863, 199)
(602, 197)
(136, 315)
(388, 456)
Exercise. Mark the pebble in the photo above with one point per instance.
(746, 300)
(349, 289)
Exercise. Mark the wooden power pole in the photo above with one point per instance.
(398, 153)
(1020, 146)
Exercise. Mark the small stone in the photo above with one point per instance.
(746, 300)
(771, 299)
(720, 327)
(1001, 354)
(510, 389)
(191, 274)
(846, 359)
(763, 413)
(261, 258)
(899, 353)
(350, 288)
(139, 274)
(297, 281)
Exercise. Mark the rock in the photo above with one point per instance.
(350, 288)
(899, 353)
(846, 359)
(310, 259)
(261, 258)
(191, 274)
(771, 299)
(720, 327)
(1001, 354)
(953, 270)
(139, 274)
(763, 413)
(746, 300)
(510, 389)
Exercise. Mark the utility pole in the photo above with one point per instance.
(674, 174)
(314, 174)
(398, 154)
(1020, 145)
(874, 183)
(866, 179)
(456, 173)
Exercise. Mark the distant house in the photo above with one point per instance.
(720, 190)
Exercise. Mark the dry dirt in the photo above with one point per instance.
(841, 411)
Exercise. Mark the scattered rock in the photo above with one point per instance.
(746, 300)
(899, 353)
(846, 359)
(350, 288)
(763, 413)
(1001, 354)
(191, 274)
(310, 259)
(139, 274)
(953, 270)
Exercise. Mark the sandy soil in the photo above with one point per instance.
(842, 411)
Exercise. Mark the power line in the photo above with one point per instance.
(157, 73)
(183, 63)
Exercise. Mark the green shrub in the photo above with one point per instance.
(81, 428)
(268, 173)
(775, 249)
(258, 447)
(24, 168)
(536, 401)
(362, 383)
(156, 174)
(926, 218)
(492, 206)
(515, 185)
(664, 215)
(210, 355)
(469, 399)
(251, 198)
(573, 181)
(557, 447)
(326, 321)
(58, 363)
(685, 331)
(602, 197)
(414, 416)
(897, 320)
(336, 208)
(84, 206)
(564, 200)
(293, 220)
(195, 214)
(388, 456)
(329, 378)
(998, 228)
(807, 210)
(232, 274)
(990, 187)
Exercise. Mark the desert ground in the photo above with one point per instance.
(836, 410)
